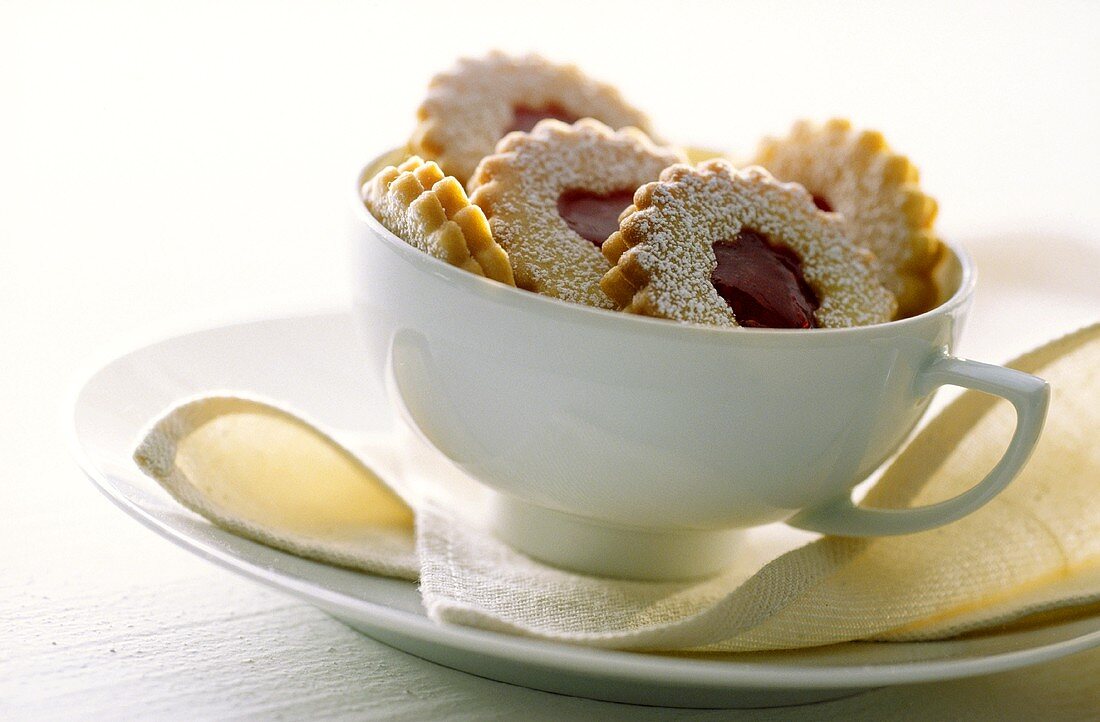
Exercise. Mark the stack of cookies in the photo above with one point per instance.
(571, 196)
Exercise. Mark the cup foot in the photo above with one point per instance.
(591, 547)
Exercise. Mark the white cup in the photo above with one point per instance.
(634, 447)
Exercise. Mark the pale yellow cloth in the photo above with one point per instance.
(1034, 548)
(270, 475)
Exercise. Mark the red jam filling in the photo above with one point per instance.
(591, 216)
(525, 118)
(822, 204)
(763, 283)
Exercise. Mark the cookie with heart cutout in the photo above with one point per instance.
(555, 194)
(479, 101)
(713, 245)
(878, 194)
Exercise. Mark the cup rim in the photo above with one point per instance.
(528, 302)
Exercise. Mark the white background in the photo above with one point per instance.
(170, 166)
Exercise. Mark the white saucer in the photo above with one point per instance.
(311, 362)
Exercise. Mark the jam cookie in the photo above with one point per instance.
(430, 211)
(554, 195)
(877, 193)
(469, 108)
(716, 246)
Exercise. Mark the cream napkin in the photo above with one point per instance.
(1033, 549)
(274, 477)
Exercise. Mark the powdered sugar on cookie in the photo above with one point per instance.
(469, 108)
(875, 190)
(664, 253)
(431, 212)
(527, 185)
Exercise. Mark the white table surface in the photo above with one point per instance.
(170, 166)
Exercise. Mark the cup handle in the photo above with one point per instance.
(1030, 396)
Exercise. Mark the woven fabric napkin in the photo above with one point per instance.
(1033, 549)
